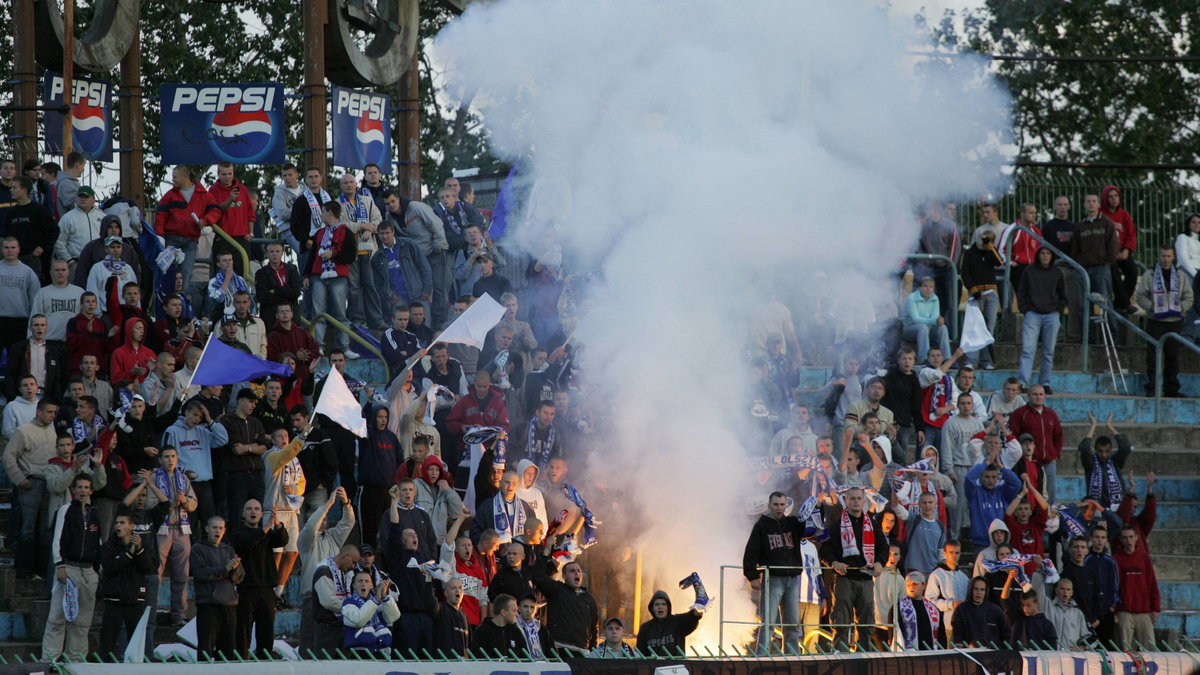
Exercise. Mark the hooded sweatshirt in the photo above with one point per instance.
(1126, 230)
(980, 624)
(195, 445)
(773, 543)
(127, 357)
(1043, 290)
(987, 505)
(378, 453)
(1138, 582)
(532, 495)
(989, 553)
(668, 634)
(1068, 621)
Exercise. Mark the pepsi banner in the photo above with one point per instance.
(91, 116)
(362, 129)
(211, 123)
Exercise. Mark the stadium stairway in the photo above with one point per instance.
(1169, 448)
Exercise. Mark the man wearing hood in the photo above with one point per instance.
(378, 457)
(1124, 268)
(1041, 297)
(666, 633)
(132, 360)
(195, 434)
(998, 534)
(528, 490)
(978, 622)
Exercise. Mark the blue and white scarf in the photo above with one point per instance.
(508, 519)
(908, 621)
(589, 519)
(290, 476)
(163, 483)
(314, 210)
(537, 451)
(236, 285)
(1165, 295)
(86, 433)
(1074, 526)
(114, 265)
(328, 267)
(530, 630)
(1104, 474)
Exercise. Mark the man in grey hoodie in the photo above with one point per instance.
(216, 569)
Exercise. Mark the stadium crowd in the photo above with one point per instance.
(459, 521)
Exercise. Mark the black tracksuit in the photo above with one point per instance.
(667, 635)
(509, 581)
(571, 615)
(490, 639)
(980, 625)
(123, 587)
(256, 593)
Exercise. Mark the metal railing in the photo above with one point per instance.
(953, 299)
(311, 326)
(237, 246)
(1085, 299)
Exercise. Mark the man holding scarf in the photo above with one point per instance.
(360, 214)
(1166, 296)
(854, 556)
(170, 485)
(305, 219)
(1102, 468)
(538, 441)
(921, 624)
(327, 270)
(505, 513)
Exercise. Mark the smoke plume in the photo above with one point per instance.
(717, 155)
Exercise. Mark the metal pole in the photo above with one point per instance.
(721, 615)
(68, 75)
(316, 15)
(1158, 364)
(637, 588)
(24, 72)
(133, 178)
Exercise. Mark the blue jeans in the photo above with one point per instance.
(1051, 471)
(989, 304)
(1037, 330)
(329, 297)
(1102, 283)
(416, 633)
(782, 591)
(189, 247)
(919, 333)
(439, 266)
(361, 305)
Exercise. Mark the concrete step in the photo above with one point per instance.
(1178, 462)
(21, 651)
(1061, 381)
(1167, 489)
(1183, 622)
(1175, 541)
(12, 626)
(291, 590)
(1179, 594)
(1176, 568)
(1067, 357)
(1185, 434)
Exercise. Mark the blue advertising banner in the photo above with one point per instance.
(210, 123)
(91, 116)
(362, 131)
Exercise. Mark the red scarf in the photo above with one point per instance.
(850, 545)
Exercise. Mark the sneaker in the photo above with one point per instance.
(990, 366)
(1049, 391)
(351, 354)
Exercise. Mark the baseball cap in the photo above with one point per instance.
(86, 191)
(916, 576)
(227, 319)
(247, 393)
(1026, 437)
(614, 620)
(112, 239)
(366, 550)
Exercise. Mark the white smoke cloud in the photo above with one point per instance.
(718, 154)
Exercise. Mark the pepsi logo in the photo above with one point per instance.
(89, 128)
(372, 142)
(239, 135)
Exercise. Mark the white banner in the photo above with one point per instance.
(326, 667)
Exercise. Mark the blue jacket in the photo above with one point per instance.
(195, 446)
(988, 505)
(402, 269)
(918, 310)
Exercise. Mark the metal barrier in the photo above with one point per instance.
(312, 328)
(953, 285)
(237, 246)
(1006, 303)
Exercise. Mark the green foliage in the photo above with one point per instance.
(1102, 112)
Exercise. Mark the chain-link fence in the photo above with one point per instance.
(1158, 206)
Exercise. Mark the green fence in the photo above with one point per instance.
(1158, 206)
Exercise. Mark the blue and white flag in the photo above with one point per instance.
(222, 364)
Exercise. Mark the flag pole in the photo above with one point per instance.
(202, 353)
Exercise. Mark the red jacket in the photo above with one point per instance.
(471, 412)
(1138, 583)
(1044, 427)
(127, 357)
(1126, 230)
(174, 213)
(1024, 247)
(280, 341)
(1143, 522)
(237, 221)
(85, 337)
(345, 251)
(1027, 538)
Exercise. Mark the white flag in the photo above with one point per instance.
(136, 651)
(472, 326)
(339, 405)
(975, 335)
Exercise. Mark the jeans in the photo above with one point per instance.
(1037, 330)
(959, 510)
(1101, 278)
(416, 633)
(175, 549)
(782, 591)
(362, 293)
(189, 247)
(919, 333)
(33, 500)
(440, 267)
(904, 436)
(329, 297)
(1170, 373)
(1050, 469)
(989, 304)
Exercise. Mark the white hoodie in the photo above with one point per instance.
(532, 495)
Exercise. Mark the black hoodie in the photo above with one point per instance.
(773, 543)
(1042, 289)
(669, 634)
(572, 616)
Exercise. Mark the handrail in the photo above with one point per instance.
(1006, 305)
(1158, 367)
(237, 247)
(953, 285)
(312, 327)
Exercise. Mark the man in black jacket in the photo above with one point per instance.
(666, 633)
(1041, 297)
(124, 564)
(499, 635)
(856, 549)
(216, 569)
(52, 361)
(416, 600)
(512, 578)
(903, 397)
(276, 282)
(571, 612)
(451, 632)
(977, 622)
(775, 543)
(254, 543)
(76, 552)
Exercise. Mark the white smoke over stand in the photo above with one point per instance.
(718, 154)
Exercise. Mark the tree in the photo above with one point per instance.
(1075, 111)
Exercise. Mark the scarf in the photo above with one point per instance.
(236, 285)
(530, 630)
(181, 488)
(114, 265)
(360, 205)
(328, 267)
(339, 579)
(1074, 526)
(938, 396)
(86, 433)
(850, 545)
(290, 476)
(535, 450)
(589, 519)
(908, 621)
(314, 209)
(507, 524)
(1165, 295)
(1104, 478)
(455, 218)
